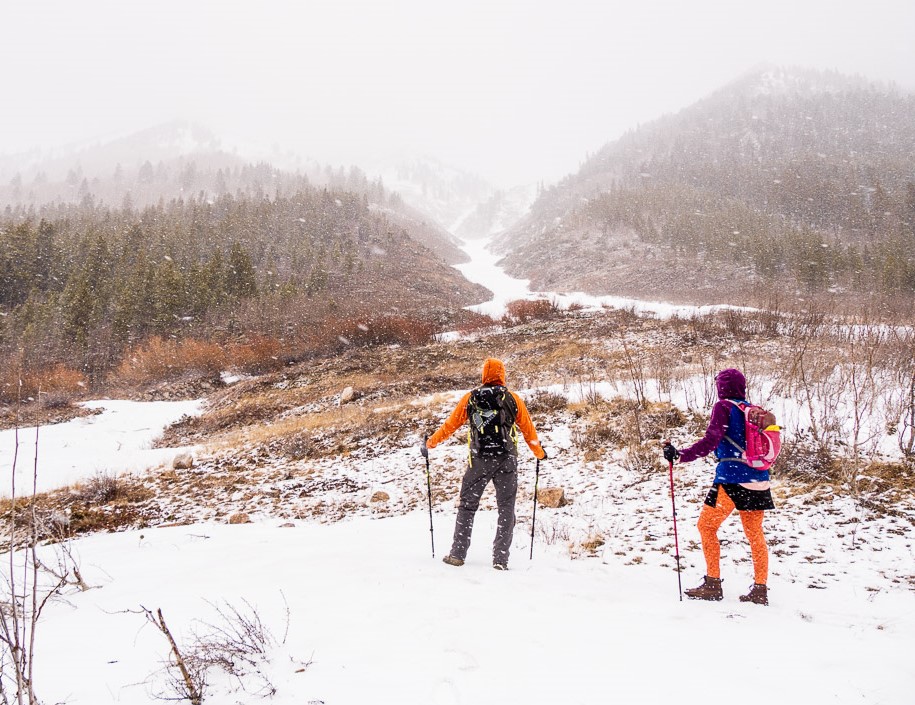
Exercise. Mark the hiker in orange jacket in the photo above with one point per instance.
(496, 414)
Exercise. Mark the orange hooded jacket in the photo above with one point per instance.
(493, 373)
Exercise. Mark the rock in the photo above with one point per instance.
(287, 525)
(347, 395)
(184, 461)
(552, 497)
(240, 518)
(380, 497)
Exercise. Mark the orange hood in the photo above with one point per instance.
(493, 371)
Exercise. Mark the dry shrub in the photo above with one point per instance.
(472, 322)
(59, 385)
(110, 503)
(608, 423)
(389, 330)
(257, 355)
(100, 489)
(552, 530)
(524, 310)
(597, 431)
(802, 459)
(738, 324)
(156, 360)
(198, 356)
(544, 402)
(644, 459)
(622, 422)
(602, 434)
(658, 419)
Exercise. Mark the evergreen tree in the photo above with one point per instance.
(239, 276)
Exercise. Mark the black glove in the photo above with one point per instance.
(671, 454)
(423, 448)
(545, 456)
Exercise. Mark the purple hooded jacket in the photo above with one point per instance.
(730, 384)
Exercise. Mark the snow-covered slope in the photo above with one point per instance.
(444, 193)
(498, 213)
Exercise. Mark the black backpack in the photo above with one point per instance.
(491, 412)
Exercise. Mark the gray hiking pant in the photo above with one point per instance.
(502, 471)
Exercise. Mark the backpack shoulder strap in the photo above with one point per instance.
(741, 406)
(511, 403)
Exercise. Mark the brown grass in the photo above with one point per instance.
(882, 477)
(593, 544)
(102, 503)
(333, 431)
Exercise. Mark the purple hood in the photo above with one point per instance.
(731, 384)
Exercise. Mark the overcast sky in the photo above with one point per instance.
(515, 91)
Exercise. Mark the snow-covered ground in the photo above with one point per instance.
(383, 622)
(116, 440)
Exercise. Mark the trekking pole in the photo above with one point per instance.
(673, 505)
(429, 493)
(534, 520)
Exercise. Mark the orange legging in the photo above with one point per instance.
(712, 517)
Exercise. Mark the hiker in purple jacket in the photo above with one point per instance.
(736, 485)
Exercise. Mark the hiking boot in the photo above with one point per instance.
(500, 566)
(758, 595)
(709, 590)
(451, 560)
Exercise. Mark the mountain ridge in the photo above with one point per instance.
(795, 172)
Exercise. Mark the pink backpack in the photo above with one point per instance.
(763, 436)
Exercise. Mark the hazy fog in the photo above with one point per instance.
(516, 91)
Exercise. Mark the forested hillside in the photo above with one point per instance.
(187, 161)
(797, 180)
(85, 289)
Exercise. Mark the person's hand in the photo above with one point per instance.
(544, 456)
(423, 448)
(671, 454)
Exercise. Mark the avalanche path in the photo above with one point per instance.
(484, 269)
